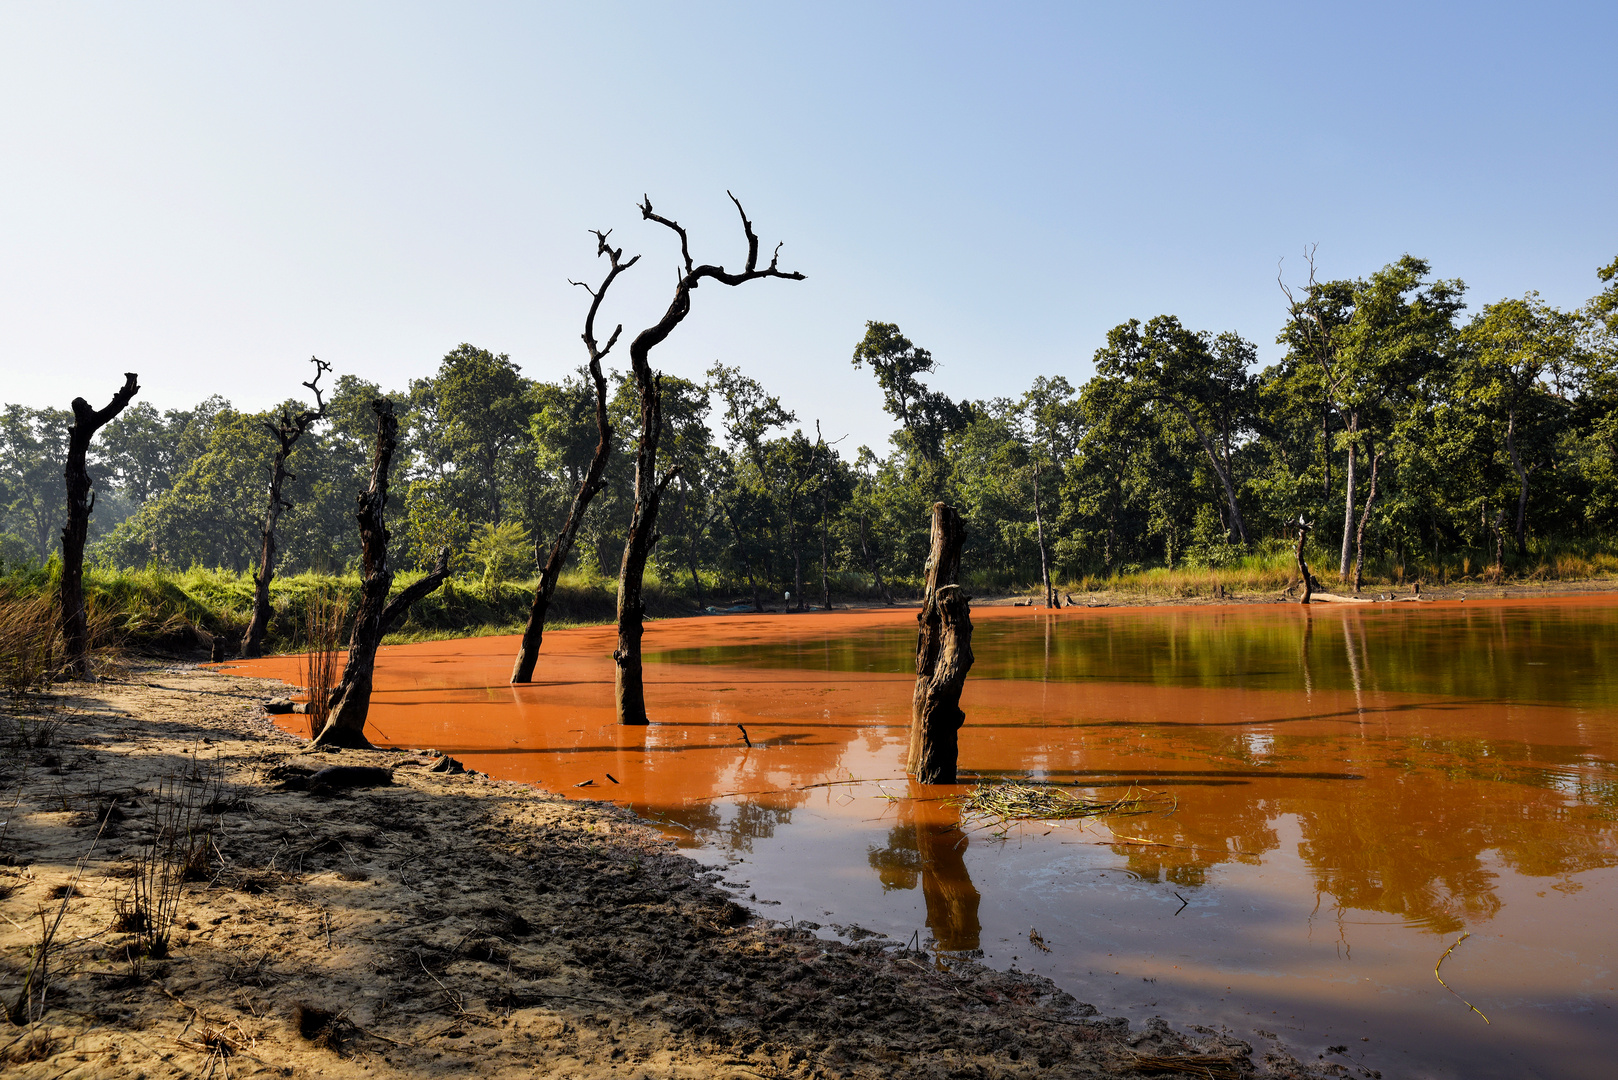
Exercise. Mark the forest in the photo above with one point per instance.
(1417, 435)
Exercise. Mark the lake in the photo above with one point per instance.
(1344, 793)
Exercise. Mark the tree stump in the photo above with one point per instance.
(943, 656)
(1303, 567)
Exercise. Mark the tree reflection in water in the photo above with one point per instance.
(935, 853)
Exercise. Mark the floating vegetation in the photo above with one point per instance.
(1005, 802)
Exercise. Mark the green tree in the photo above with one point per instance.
(469, 416)
(926, 417)
(1371, 341)
(33, 448)
(1513, 349)
(1204, 379)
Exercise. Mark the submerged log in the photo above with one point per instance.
(943, 656)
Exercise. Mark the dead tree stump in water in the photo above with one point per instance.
(943, 656)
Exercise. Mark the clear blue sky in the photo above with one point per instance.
(207, 194)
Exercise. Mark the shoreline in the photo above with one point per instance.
(450, 924)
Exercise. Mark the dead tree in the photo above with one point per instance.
(376, 614)
(629, 687)
(943, 656)
(1307, 578)
(81, 501)
(534, 633)
(286, 431)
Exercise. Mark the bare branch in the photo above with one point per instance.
(685, 241)
(321, 367)
(752, 238)
(615, 256)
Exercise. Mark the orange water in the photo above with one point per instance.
(1355, 788)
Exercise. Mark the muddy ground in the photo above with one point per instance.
(442, 925)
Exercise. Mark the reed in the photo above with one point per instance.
(326, 614)
(30, 652)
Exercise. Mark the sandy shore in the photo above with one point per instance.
(446, 925)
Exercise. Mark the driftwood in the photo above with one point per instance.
(351, 702)
(75, 621)
(943, 656)
(534, 632)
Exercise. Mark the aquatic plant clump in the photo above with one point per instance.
(1007, 801)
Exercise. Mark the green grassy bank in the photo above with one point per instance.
(184, 611)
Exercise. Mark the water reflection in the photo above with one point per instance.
(1430, 766)
(933, 853)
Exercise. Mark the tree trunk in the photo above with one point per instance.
(1359, 534)
(825, 556)
(1222, 472)
(351, 702)
(533, 633)
(1522, 485)
(870, 561)
(943, 656)
(691, 556)
(1348, 496)
(797, 569)
(286, 434)
(1039, 533)
(253, 640)
(629, 690)
(1303, 567)
(75, 621)
(747, 561)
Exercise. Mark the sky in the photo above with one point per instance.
(207, 194)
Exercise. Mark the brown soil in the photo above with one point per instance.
(446, 925)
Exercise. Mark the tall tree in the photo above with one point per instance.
(80, 503)
(1203, 379)
(746, 498)
(287, 429)
(629, 687)
(1049, 425)
(1513, 349)
(479, 406)
(925, 416)
(1372, 340)
(590, 483)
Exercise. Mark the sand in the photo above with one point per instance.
(446, 925)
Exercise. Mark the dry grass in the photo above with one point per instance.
(177, 850)
(30, 644)
(327, 612)
(1003, 803)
